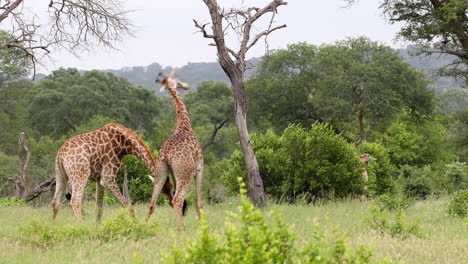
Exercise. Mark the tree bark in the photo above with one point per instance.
(39, 189)
(20, 183)
(255, 185)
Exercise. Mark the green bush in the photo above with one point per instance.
(457, 175)
(44, 234)
(248, 238)
(385, 221)
(13, 201)
(123, 225)
(314, 163)
(392, 203)
(458, 205)
(416, 182)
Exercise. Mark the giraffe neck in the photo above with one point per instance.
(183, 120)
(130, 143)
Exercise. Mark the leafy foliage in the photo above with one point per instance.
(440, 25)
(73, 99)
(44, 234)
(248, 238)
(11, 202)
(393, 222)
(312, 163)
(14, 63)
(356, 85)
(458, 205)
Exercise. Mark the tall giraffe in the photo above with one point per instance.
(98, 155)
(180, 155)
(365, 158)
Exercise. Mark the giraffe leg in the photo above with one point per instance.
(77, 197)
(99, 200)
(198, 179)
(159, 182)
(109, 174)
(182, 190)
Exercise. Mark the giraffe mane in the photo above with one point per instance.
(130, 133)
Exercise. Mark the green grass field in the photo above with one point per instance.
(443, 239)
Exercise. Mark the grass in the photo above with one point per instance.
(444, 240)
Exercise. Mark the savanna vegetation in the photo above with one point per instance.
(312, 110)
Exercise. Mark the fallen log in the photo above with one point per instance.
(39, 189)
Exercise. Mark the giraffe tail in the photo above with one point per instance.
(184, 207)
(61, 173)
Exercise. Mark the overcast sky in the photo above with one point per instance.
(166, 33)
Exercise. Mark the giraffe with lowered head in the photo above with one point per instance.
(98, 155)
(180, 155)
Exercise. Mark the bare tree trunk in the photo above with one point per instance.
(255, 185)
(125, 191)
(20, 183)
(233, 64)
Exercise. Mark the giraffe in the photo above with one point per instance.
(180, 155)
(98, 155)
(365, 158)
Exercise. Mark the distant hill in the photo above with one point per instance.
(194, 73)
(430, 64)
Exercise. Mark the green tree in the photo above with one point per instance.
(211, 104)
(13, 62)
(14, 114)
(278, 94)
(72, 99)
(357, 85)
(437, 25)
(365, 83)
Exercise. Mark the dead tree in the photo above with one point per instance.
(75, 25)
(45, 186)
(233, 63)
(24, 155)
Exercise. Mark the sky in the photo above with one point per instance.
(165, 32)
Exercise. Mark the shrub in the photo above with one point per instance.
(44, 234)
(416, 182)
(13, 201)
(457, 174)
(458, 205)
(392, 203)
(389, 222)
(248, 238)
(302, 163)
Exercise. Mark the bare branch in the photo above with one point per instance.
(75, 25)
(264, 33)
(9, 8)
(202, 29)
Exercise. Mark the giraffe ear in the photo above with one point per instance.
(162, 89)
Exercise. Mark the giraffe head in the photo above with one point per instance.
(169, 81)
(366, 158)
